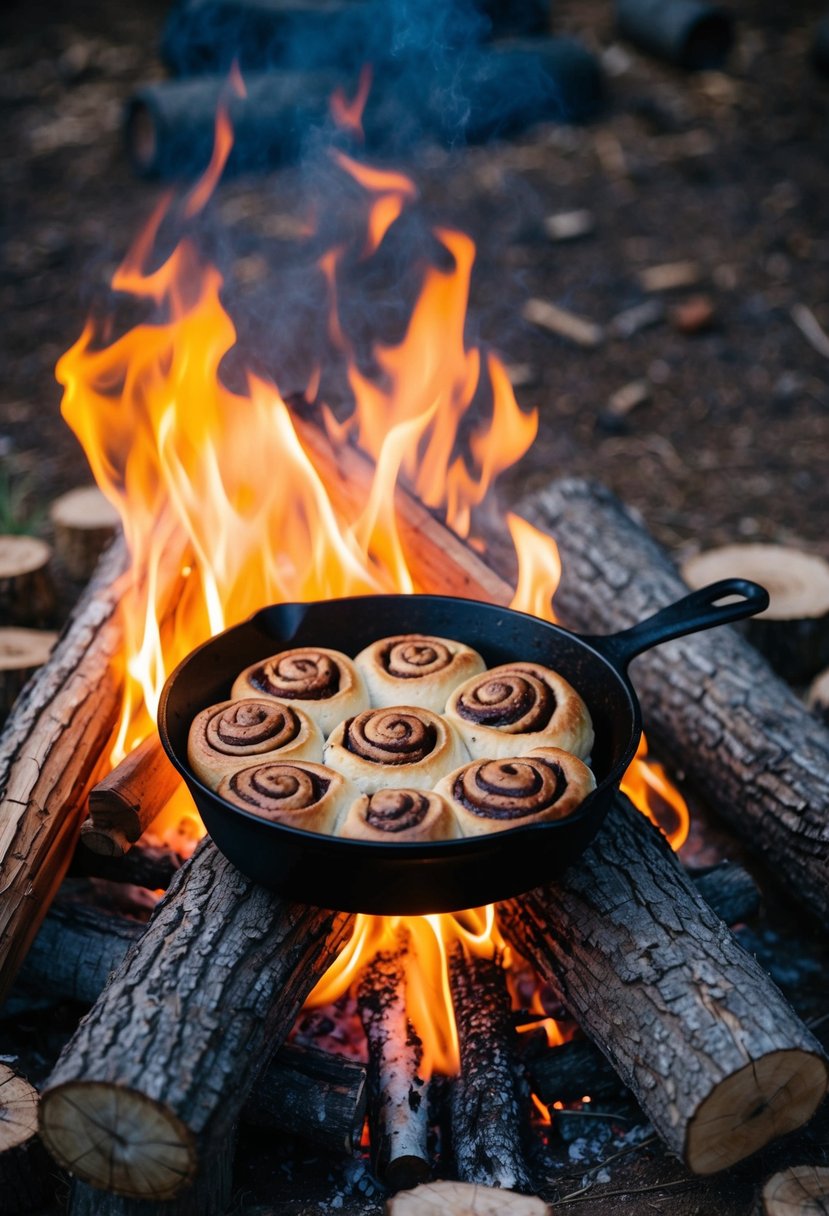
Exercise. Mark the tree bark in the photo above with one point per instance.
(26, 1176)
(209, 1194)
(717, 1059)
(486, 1111)
(154, 1079)
(711, 703)
(49, 753)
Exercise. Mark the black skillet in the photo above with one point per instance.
(445, 875)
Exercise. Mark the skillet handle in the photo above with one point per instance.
(693, 612)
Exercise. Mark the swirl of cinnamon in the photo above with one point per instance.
(279, 787)
(304, 673)
(390, 736)
(247, 725)
(510, 789)
(408, 658)
(512, 700)
(397, 810)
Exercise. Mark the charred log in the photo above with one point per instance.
(487, 1116)
(150, 866)
(716, 1058)
(153, 1081)
(712, 704)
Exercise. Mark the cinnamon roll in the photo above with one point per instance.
(228, 736)
(325, 683)
(399, 816)
(397, 747)
(495, 795)
(511, 709)
(295, 793)
(416, 669)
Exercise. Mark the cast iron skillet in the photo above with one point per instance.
(445, 875)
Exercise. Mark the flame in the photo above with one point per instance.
(224, 509)
(348, 114)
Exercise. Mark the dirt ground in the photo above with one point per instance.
(728, 170)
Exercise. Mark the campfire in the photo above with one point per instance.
(235, 498)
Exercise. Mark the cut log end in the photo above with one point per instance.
(464, 1199)
(801, 1190)
(18, 1109)
(22, 651)
(768, 1098)
(118, 1139)
(109, 842)
(84, 522)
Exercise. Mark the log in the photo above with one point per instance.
(487, 1117)
(800, 1190)
(463, 1198)
(711, 704)
(716, 1058)
(397, 1095)
(22, 652)
(27, 1177)
(157, 1072)
(208, 1195)
(729, 890)
(124, 804)
(84, 523)
(793, 632)
(151, 866)
(77, 948)
(49, 753)
(27, 595)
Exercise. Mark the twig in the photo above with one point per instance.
(580, 1197)
(810, 327)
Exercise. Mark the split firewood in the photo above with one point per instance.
(27, 1177)
(398, 1113)
(669, 276)
(124, 804)
(563, 324)
(464, 1199)
(486, 1110)
(801, 1190)
(717, 1059)
(49, 753)
(84, 523)
(151, 866)
(793, 632)
(22, 652)
(818, 696)
(27, 596)
(711, 703)
(148, 1089)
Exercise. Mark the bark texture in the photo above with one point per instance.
(151, 866)
(49, 752)
(717, 1059)
(487, 1115)
(76, 950)
(154, 1079)
(710, 702)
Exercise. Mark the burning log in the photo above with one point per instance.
(461, 1198)
(397, 1096)
(147, 1089)
(126, 802)
(26, 1176)
(793, 632)
(715, 1056)
(49, 752)
(84, 522)
(26, 593)
(710, 701)
(486, 1112)
(801, 1190)
(22, 652)
(151, 866)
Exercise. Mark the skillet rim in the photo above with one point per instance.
(414, 850)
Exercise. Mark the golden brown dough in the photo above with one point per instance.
(325, 683)
(297, 794)
(416, 669)
(233, 734)
(400, 747)
(395, 816)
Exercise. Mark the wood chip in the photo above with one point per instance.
(669, 276)
(563, 323)
(694, 315)
(810, 327)
(628, 397)
(464, 1199)
(641, 316)
(569, 225)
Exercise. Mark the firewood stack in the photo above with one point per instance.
(144, 1101)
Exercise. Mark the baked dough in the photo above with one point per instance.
(401, 747)
(325, 683)
(416, 669)
(234, 734)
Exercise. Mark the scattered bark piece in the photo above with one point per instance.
(125, 803)
(464, 1199)
(717, 1059)
(27, 595)
(810, 327)
(694, 315)
(793, 632)
(669, 276)
(801, 1190)
(486, 1110)
(564, 324)
(569, 225)
(623, 402)
(633, 320)
(85, 523)
(26, 1175)
(397, 1095)
(22, 652)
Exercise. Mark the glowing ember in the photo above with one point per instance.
(224, 509)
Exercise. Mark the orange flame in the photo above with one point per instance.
(348, 114)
